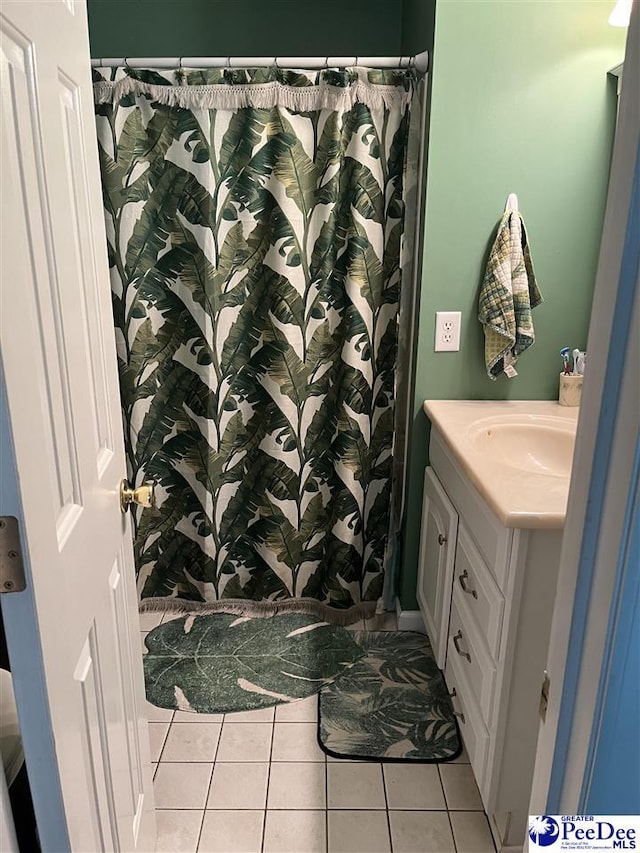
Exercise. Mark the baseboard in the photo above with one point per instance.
(409, 620)
(498, 836)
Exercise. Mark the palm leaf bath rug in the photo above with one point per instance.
(392, 704)
(221, 662)
(381, 695)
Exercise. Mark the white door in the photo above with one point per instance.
(58, 356)
(438, 534)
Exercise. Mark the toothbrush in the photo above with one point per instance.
(564, 352)
(576, 355)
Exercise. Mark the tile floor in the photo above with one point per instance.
(257, 782)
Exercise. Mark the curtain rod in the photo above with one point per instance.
(420, 61)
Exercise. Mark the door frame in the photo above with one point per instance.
(609, 783)
(600, 484)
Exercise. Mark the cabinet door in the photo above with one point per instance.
(435, 569)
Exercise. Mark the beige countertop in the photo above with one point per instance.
(517, 454)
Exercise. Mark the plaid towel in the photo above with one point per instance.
(509, 292)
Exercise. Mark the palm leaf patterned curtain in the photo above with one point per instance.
(254, 224)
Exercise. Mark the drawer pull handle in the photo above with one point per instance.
(456, 642)
(442, 539)
(463, 583)
(453, 693)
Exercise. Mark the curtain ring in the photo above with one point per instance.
(228, 62)
(275, 61)
(180, 63)
(125, 63)
(356, 60)
(326, 62)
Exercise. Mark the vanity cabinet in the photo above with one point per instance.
(486, 594)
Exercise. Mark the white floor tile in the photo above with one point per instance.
(192, 742)
(149, 621)
(460, 787)
(302, 711)
(296, 742)
(157, 735)
(194, 717)
(270, 759)
(231, 832)
(413, 786)
(158, 715)
(421, 832)
(295, 832)
(261, 715)
(178, 830)
(355, 786)
(358, 832)
(471, 832)
(239, 786)
(335, 760)
(463, 758)
(245, 742)
(181, 786)
(382, 622)
(297, 785)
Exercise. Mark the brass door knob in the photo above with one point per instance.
(143, 495)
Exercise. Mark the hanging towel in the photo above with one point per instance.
(508, 293)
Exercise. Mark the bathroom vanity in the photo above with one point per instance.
(494, 503)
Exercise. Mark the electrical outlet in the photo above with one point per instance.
(447, 331)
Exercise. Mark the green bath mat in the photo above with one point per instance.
(221, 662)
(391, 705)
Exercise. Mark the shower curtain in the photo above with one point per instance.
(254, 224)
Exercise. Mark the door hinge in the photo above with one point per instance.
(544, 695)
(11, 566)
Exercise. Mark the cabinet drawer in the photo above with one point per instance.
(472, 728)
(467, 647)
(484, 600)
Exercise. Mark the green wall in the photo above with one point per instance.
(244, 27)
(520, 102)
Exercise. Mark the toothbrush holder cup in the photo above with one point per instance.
(570, 389)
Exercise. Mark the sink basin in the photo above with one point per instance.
(532, 444)
(516, 453)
